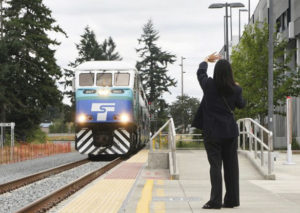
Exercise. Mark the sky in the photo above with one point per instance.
(186, 28)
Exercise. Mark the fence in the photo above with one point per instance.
(31, 151)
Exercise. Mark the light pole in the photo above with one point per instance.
(249, 11)
(182, 72)
(270, 68)
(230, 24)
(240, 10)
(226, 5)
(182, 58)
(1, 18)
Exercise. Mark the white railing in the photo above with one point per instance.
(171, 141)
(257, 134)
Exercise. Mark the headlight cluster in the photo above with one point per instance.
(103, 92)
(82, 118)
(124, 118)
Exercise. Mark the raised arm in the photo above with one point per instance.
(202, 70)
(202, 74)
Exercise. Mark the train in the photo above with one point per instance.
(112, 112)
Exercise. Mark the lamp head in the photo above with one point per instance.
(236, 5)
(216, 5)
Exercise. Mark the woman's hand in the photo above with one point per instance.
(213, 57)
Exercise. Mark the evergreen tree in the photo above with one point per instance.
(28, 67)
(107, 49)
(250, 67)
(153, 64)
(89, 48)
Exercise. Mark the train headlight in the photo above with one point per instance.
(82, 118)
(124, 118)
(103, 92)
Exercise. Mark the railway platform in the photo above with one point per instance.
(132, 187)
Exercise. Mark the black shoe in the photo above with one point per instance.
(224, 205)
(210, 206)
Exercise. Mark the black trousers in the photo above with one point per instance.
(221, 150)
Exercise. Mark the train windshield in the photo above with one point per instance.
(122, 79)
(104, 79)
(86, 79)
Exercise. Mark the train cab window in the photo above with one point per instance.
(104, 79)
(122, 79)
(86, 79)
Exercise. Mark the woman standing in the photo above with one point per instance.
(221, 96)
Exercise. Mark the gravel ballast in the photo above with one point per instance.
(12, 201)
(18, 170)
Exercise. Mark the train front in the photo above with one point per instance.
(104, 108)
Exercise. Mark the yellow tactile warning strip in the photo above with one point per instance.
(107, 195)
(141, 157)
(143, 205)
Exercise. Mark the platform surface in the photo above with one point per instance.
(192, 190)
(132, 187)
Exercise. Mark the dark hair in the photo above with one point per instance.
(223, 78)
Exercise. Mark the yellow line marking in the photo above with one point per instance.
(160, 182)
(159, 207)
(160, 192)
(143, 205)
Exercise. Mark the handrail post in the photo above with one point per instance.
(250, 137)
(270, 141)
(170, 137)
(173, 144)
(244, 137)
(255, 142)
(262, 147)
(239, 128)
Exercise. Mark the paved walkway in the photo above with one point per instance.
(190, 193)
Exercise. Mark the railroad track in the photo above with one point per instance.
(45, 203)
(12, 185)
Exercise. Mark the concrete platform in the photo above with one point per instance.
(192, 191)
(132, 187)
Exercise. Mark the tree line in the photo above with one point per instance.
(29, 72)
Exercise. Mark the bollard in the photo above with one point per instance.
(289, 129)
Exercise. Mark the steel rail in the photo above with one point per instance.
(45, 203)
(15, 184)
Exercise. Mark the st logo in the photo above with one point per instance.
(102, 109)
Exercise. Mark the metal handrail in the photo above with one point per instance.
(251, 129)
(171, 140)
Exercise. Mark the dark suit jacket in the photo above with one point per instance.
(213, 115)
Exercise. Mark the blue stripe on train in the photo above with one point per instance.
(103, 111)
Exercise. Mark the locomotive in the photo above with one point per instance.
(112, 112)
